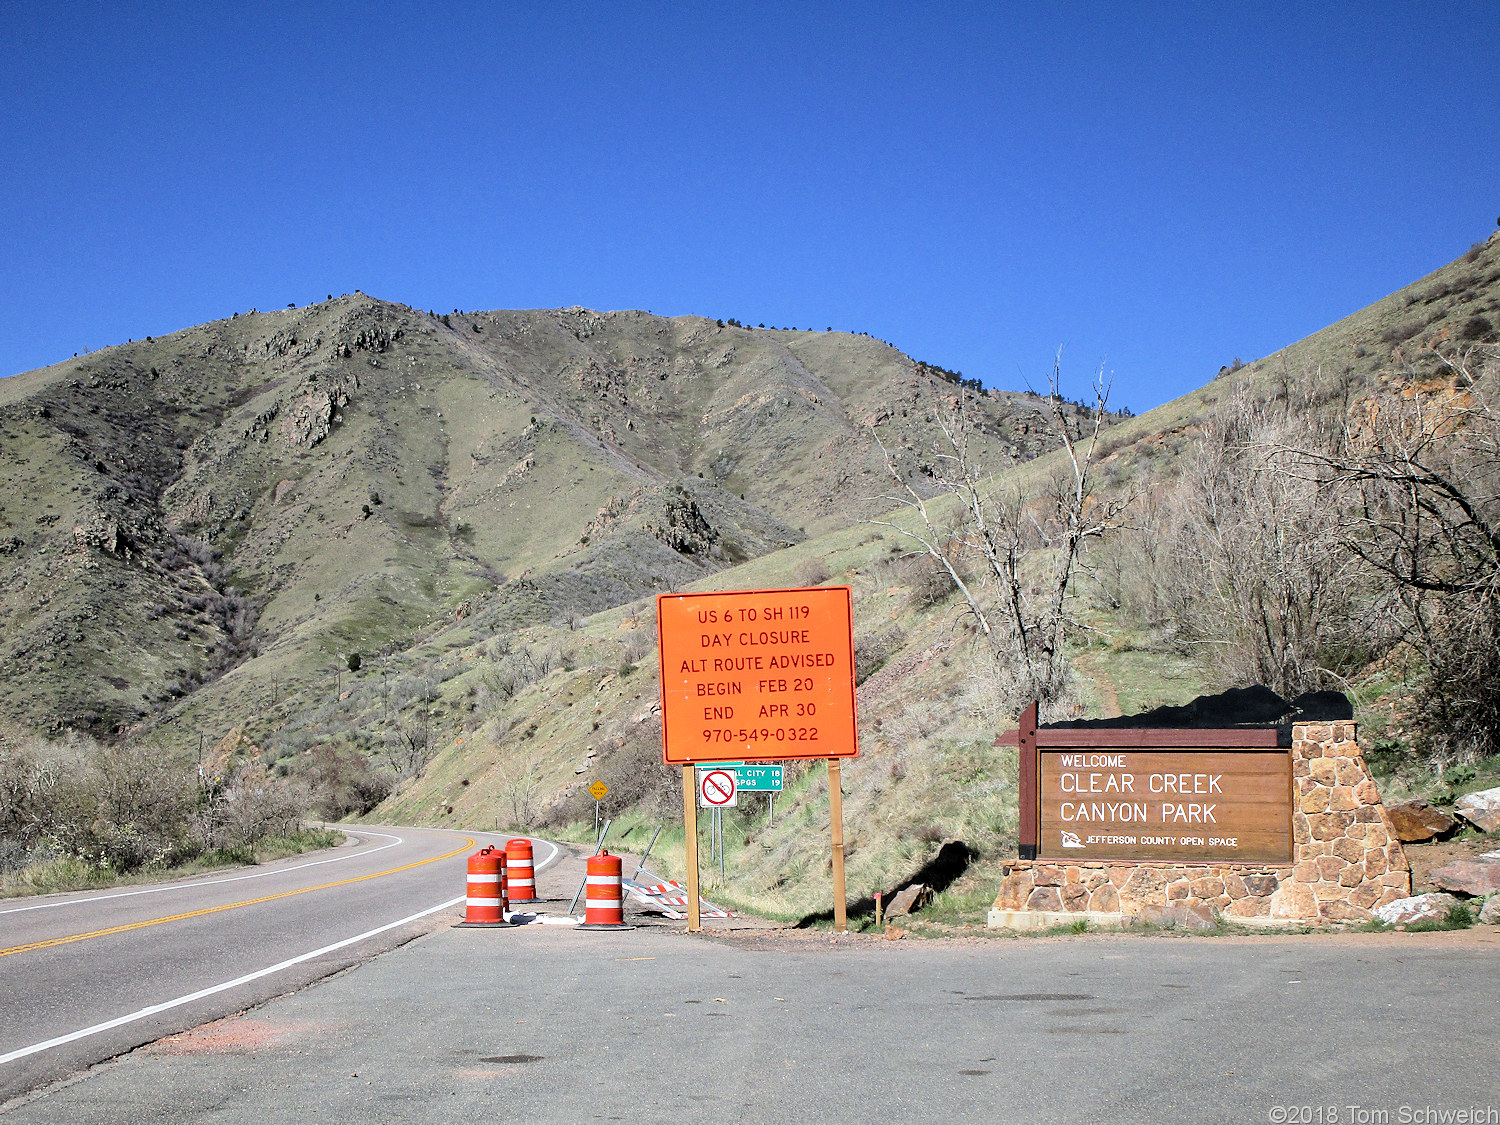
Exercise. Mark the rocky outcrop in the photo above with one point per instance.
(683, 527)
(669, 514)
(1429, 907)
(374, 338)
(102, 534)
(1475, 878)
(1416, 820)
(1481, 809)
(368, 329)
(310, 417)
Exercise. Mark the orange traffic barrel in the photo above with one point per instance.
(520, 875)
(484, 901)
(602, 906)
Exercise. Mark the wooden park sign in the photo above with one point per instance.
(758, 676)
(1169, 795)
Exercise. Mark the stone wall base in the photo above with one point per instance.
(1131, 889)
(1046, 919)
(1270, 893)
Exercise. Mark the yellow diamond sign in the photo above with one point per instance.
(598, 790)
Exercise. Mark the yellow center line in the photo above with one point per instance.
(467, 844)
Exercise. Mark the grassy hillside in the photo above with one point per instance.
(928, 715)
(266, 494)
(1458, 303)
(200, 530)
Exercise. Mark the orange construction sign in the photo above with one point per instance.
(757, 675)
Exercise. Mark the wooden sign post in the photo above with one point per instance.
(758, 676)
(836, 826)
(1030, 780)
(690, 825)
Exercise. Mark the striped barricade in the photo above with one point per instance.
(671, 899)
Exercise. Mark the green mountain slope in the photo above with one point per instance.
(271, 492)
(197, 531)
(928, 771)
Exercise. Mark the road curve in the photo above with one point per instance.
(86, 976)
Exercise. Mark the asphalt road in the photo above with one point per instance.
(86, 976)
(553, 1024)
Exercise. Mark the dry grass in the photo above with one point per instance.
(70, 873)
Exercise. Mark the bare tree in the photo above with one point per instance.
(1026, 552)
(520, 784)
(1421, 468)
(1255, 570)
(406, 742)
(639, 644)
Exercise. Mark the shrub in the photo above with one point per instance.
(872, 650)
(1398, 333)
(1477, 327)
(810, 572)
(929, 584)
(639, 645)
(343, 782)
(104, 810)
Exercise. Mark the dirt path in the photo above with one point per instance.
(1109, 699)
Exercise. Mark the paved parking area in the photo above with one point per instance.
(552, 1024)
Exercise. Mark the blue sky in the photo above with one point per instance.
(1159, 188)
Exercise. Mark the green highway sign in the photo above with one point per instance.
(759, 778)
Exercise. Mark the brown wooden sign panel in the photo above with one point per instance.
(757, 675)
(1173, 805)
(1192, 738)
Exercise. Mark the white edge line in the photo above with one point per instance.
(120, 1021)
(214, 882)
(551, 859)
(540, 867)
(261, 874)
(548, 862)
